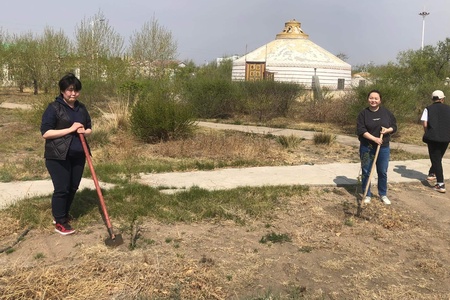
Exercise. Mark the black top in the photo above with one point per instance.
(372, 121)
(438, 124)
(59, 115)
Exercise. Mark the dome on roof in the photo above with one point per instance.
(292, 30)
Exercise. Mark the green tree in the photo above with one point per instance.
(428, 65)
(3, 55)
(25, 61)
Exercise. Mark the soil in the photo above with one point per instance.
(315, 245)
(330, 250)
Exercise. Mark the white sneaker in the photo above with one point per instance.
(367, 199)
(385, 200)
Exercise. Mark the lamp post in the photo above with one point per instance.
(95, 45)
(423, 14)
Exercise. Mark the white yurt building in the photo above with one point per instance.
(293, 57)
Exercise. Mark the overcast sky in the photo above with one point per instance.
(365, 30)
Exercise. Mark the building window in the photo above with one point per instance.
(269, 76)
(341, 84)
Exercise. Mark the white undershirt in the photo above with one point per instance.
(424, 117)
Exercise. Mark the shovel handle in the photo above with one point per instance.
(372, 170)
(97, 185)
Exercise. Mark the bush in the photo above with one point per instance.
(265, 100)
(158, 115)
(211, 97)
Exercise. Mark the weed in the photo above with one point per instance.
(306, 249)
(149, 241)
(39, 255)
(275, 238)
(323, 138)
(289, 142)
(349, 222)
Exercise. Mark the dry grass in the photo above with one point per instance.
(336, 251)
(384, 252)
(100, 273)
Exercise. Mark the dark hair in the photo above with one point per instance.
(68, 80)
(375, 91)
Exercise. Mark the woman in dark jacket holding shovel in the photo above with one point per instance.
(375, 124)
(62, 122)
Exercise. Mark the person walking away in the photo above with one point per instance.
(373, 121)
(436, 124)
(62, 122)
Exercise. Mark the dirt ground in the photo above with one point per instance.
(318, 245)
(334, 251)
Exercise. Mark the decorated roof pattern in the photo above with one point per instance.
(293, 47)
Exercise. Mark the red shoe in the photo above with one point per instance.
(64, 229)
(70, 218)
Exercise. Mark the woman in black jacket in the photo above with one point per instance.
(371, 123)
(62, 122)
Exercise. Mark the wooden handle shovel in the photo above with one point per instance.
(372, 170)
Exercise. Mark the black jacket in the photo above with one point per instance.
(57, 116)
(438, 124)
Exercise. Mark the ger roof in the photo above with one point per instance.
(293, 48)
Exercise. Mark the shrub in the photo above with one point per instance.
(211, 97)
(158, 115)
(265, 100)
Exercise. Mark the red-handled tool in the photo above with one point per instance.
(114, 239)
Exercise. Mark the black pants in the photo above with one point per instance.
(436, 151)
(66, 177)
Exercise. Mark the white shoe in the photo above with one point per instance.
(385, 200)
(367, 199)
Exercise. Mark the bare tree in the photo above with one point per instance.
(152, 48)
(55, 48)
(97, 45)
(342, 56)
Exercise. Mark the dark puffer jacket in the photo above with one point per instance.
(58, 148)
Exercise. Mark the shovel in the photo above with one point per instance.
(372, 170)
(113, 239)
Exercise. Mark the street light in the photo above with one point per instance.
(95, 45)
(423, 14)
(92, 23)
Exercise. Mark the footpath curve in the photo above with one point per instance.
(336, 174)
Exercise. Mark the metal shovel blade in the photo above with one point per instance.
(114, 241)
